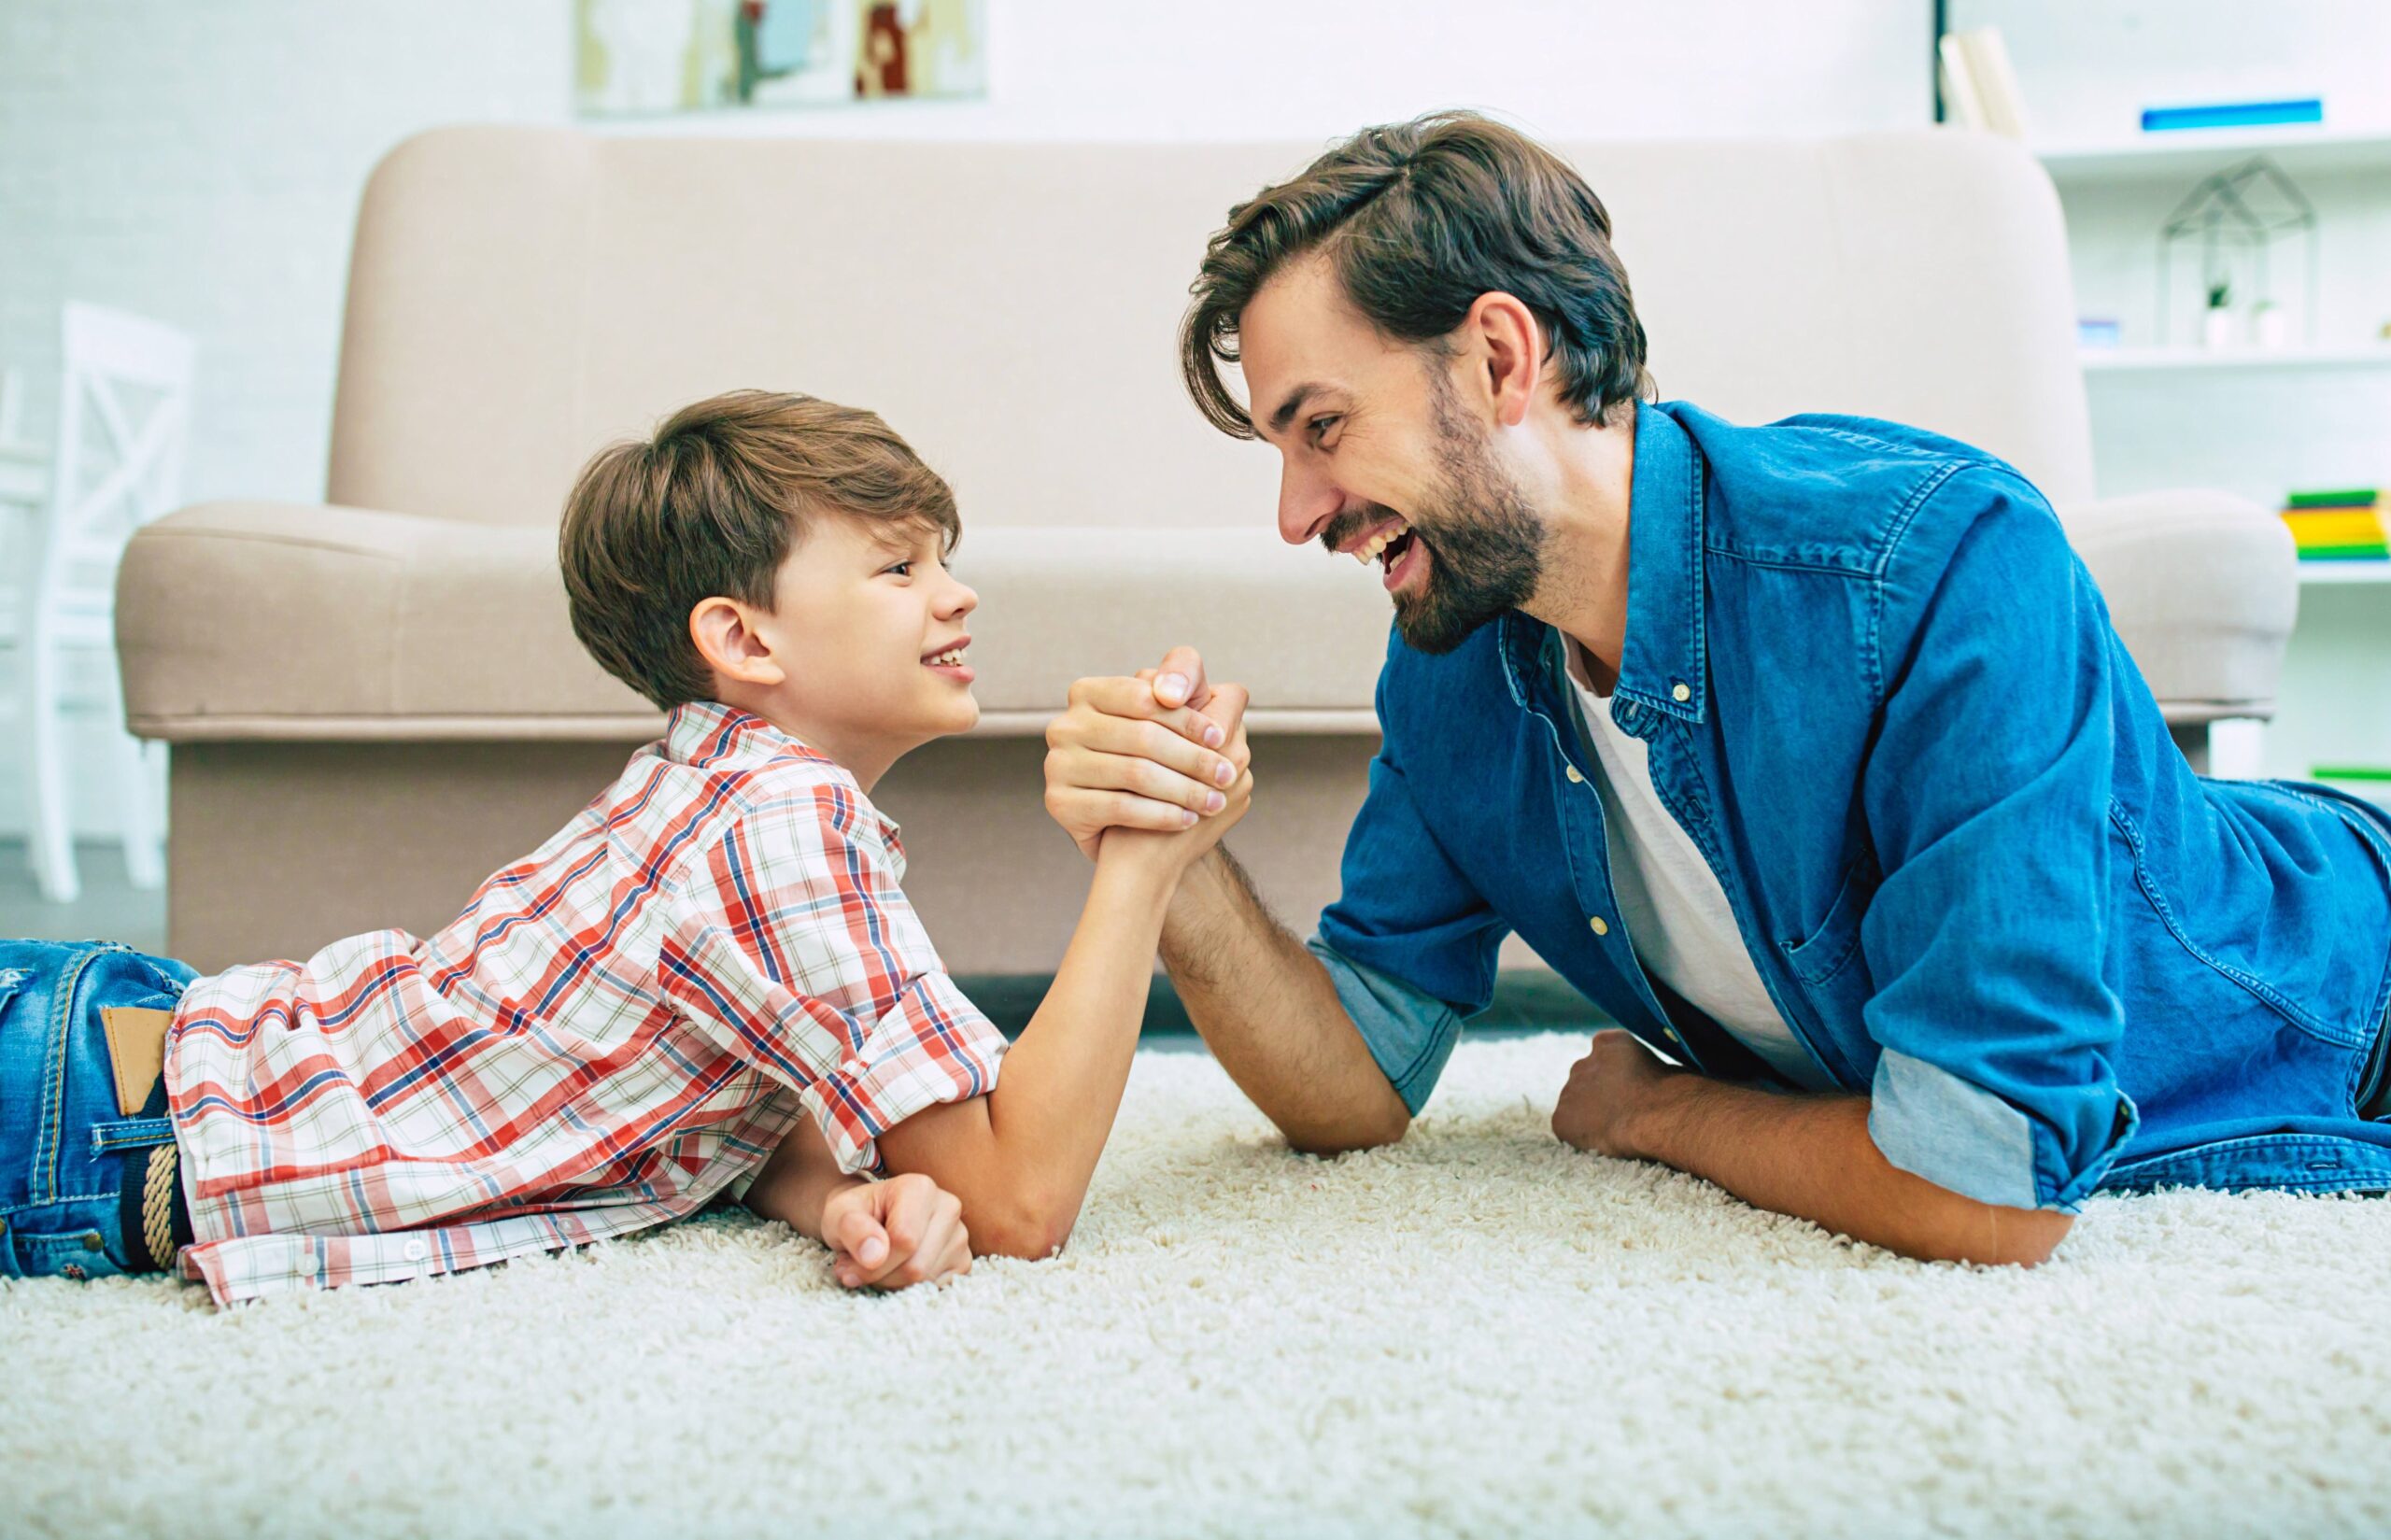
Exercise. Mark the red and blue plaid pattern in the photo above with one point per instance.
(618, 1028)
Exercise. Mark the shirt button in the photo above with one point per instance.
(1602, 926)
(1681, 692)
(1671, 1033)
(417, 1250)
(1573, 776)
(91, 1242)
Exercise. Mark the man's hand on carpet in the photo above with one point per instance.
(1143, 753)
(1605, 1090)
(895, 1234)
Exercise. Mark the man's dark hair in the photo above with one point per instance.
(1419, 220)
(712, 506)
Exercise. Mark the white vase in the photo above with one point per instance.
(2217, 327)
(2267, 324)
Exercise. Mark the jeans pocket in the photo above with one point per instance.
(78, 1254)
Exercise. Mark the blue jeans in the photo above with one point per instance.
(72, 1164)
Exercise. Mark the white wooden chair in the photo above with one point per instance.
(123, 424)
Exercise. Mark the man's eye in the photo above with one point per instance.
(1320, 426)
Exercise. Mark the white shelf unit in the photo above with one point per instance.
(2299, 148)
(2259, 422)
(2341, 573)
(2104, 361)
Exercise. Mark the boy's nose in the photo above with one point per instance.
(962, 600)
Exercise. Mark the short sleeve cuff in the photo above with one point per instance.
(933, 1046)
(1410, 1033)
(1967, 1140)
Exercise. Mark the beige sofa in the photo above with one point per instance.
(374, 701)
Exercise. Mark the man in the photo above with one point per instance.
(1806, 752)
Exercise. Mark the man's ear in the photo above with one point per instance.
(1501, 337)
(730, 645)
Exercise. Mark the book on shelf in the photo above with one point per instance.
(2337, 526)
(1979, 83)
(2304, 109)
(2355, 497)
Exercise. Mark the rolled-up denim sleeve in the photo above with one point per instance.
(1409, 942)
(1410, 1033)
(1987, 796)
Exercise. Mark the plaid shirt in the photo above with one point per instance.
(618, 1028)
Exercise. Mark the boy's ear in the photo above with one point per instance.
(731, 645)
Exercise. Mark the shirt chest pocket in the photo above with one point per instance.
(1828, 961)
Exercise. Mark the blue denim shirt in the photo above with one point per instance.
(1883, 698)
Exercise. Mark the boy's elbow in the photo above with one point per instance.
(1029, 1228)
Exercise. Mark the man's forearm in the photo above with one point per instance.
(1811, 1156)
(1270, 1013)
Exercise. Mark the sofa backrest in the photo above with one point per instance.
(519, 297)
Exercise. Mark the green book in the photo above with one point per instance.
(2344, 553)
(2351, 772)
(2358, 497)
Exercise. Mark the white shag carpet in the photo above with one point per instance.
(1476, 1333)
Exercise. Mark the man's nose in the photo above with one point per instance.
(1306, 505)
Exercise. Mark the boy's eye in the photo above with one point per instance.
(902, 569)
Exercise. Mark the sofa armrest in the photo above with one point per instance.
(2202, 587)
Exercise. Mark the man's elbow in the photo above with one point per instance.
(1345, 1135)
(2006, 1238)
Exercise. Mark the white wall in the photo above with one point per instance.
(201, 163)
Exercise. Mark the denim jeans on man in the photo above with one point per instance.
(1884, 699)
(70, 1157)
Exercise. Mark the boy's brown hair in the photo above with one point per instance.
(712, 506)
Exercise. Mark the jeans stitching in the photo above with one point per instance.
(50, 1138)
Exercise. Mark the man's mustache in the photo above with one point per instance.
(1345, 526)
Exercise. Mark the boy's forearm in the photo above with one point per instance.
(1021, 1157)
(796, 1183)
(1811, 1156)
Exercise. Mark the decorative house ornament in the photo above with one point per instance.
(2222, 236)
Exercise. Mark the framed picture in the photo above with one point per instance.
(642, 58)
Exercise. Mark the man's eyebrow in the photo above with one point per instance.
(1294, 403)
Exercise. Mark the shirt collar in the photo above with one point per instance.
(720, 737)
(1665, 636)
(714, 737)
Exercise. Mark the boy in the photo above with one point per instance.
(709, 983)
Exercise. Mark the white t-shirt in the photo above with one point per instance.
(1677, 914)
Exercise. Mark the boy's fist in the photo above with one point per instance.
(895, 1234)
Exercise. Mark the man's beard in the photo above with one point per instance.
(1486, 546)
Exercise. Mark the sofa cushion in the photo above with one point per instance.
(348, 624)
(344, 623)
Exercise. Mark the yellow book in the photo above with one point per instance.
(2342, 526)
